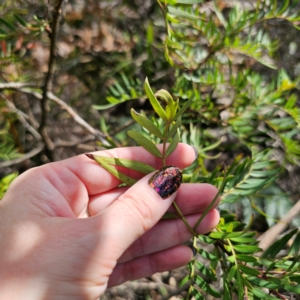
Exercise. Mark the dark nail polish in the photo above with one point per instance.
(193, 249)
(91, 156)
(166, 181)
(196, 153)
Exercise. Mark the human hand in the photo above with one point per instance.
(50, 250)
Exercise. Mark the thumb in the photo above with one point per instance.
(137, 210)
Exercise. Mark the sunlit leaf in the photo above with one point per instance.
(146, 123)
(224, 235)
(184, 281)
(127, 163)
(145, 142)
(104, 106)
(154, 102)
(246, 249)
(112, 170)
(172, 146)
(174, 128)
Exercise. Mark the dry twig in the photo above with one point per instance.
(19, 86)
(22, 118)
(47, 87)
(271, 235)
(24, 157)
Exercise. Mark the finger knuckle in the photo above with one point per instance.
(141, 209)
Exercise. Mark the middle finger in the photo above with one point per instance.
(191, 198)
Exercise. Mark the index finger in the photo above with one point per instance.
(97, 180)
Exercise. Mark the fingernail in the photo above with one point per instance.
(196, 153)
(193, 249)
(166, 181)
(91, 156)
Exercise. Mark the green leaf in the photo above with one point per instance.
(243, 257)
(249, 271)
(225, 235)
(184, 108)
(246, 249)
(7, 24)
(209, 273)
(121, 176)
(293, 288)
(105, 106)
(227, 290)
(197, 295)
(262, 295)
(243, 240)
(274, 249)
(172, 146)
(206, 287)
(211, 147)
(164, 95)
(20, 20)
(181, 13)
(154, 102)
(174, 128)
(240, 181)
(184, 281)
(207, 255)
(127, 163)
(206, 239)
(240, 285)
(295, 278)
(189, 1)
(145, 142)
(232, 273)
(295, 248)
(272, 283)
(146, 123)
(171, 105)
(5, 182)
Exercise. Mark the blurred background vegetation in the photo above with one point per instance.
(71, 70)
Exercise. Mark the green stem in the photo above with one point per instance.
(165, 144)
(188, 226)
(180, 214)
(212, 203)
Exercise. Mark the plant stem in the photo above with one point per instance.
(180, 214)
(188, 226)
(165, 144)
(212, 203)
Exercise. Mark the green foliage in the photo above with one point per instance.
(8, 148)
(224, 78)
(5, 182)
(235, 247)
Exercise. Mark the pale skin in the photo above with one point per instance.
(50, 249)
